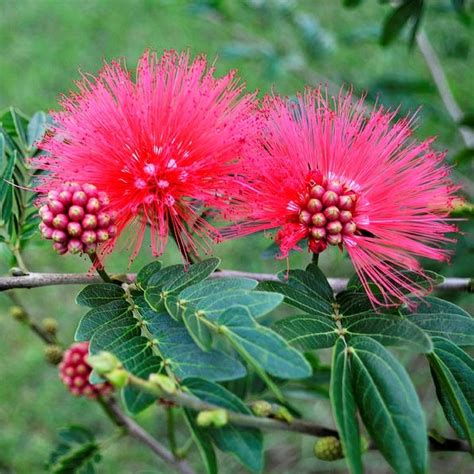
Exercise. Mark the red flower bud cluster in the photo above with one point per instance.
(74, 217)
(74, 372)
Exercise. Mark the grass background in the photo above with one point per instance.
(277, 44)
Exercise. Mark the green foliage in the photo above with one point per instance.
(244, 443)
(19, 136)
(77, 452)
(453, 373)
(389, 406)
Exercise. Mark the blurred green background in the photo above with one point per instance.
(277, 44)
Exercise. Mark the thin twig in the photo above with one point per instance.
(441, 82)
(134, 430)
(35, 280)
(296, 425)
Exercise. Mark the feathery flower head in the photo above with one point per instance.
(330, 172)
(162, 146)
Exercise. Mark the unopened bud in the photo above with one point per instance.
(216, 418)
(163, 382)
(53, 354)
(104, 363)
(18, 313)
(50, 325)
(261, 408)
(328, 449)
(118, 377)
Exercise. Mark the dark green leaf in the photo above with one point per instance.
(245, 443)
(147, 272)
(258, 303)
(100, 317)
(389, 330)
(261, 345)
(99, 294)
(441, 318)
(199, 291)
(467, 120)
(463, 156)
(298, 299)
(307, 332)
(196, 326)
(76, 452)
(453, 373)
(344, 408)
(351, 3)
(394, 23)
(389, 406)
(6, 182)
(36, 128)
(20, 123)
(184, 357)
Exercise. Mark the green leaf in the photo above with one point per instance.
(389, 406)
(20, 124)
(197, 292)
(99, 294)
(444, 319)
(467, 120)
(344, 408)
(6, 187)
(453, 373)
(76, 452)
(36, 128)
(203, 442)
(298, 299)
(351, 3)
(258, 303)
(144, 275)
(184, 357)
(2, 149)
(122, 337)
(389, 330)
(261, 345)
(312, 281)
(100, 317)
(244, 443)
(394, 23)
(196, 326)
(307, 332)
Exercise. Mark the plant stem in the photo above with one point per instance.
(19, 258)
(315, 258)
(100, 268)
(296, 425)
(171, 431)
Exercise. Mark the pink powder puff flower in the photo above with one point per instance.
(162, 147)
(333, 173)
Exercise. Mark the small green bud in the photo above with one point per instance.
(104, 363)
(262, 408)
(18, 313)
(282, 413)
(163, 382)
(216, 418)
(364, 444)
(53, 354)
(328, 449)
(118, 378)
(50, 325)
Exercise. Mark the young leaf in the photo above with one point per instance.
(77, 451)
(389, 330)
(99, 294)
(261, 345)
(389, 406)
(307, 332)
(344, 408)
(453, 373)
(184, 357)
(244, 443)
(444, 319)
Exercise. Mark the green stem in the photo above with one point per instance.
(19, 259)
(171, 429)
(100, 268)
(315, 258)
